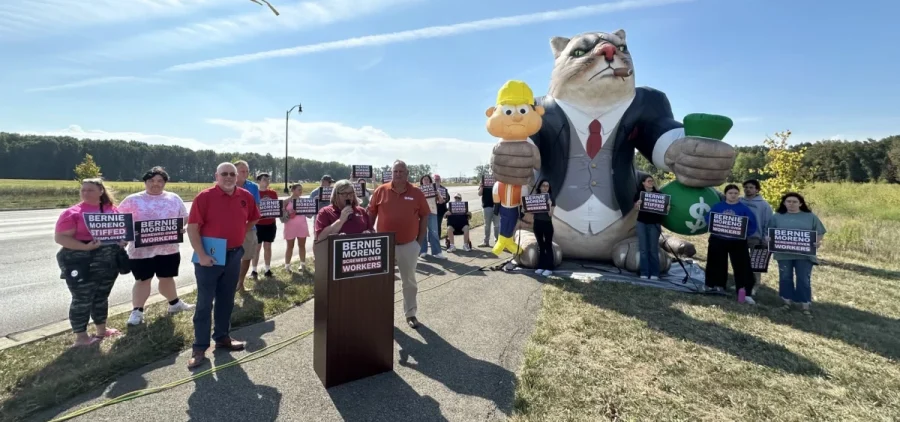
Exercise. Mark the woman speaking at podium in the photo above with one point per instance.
(344, 215)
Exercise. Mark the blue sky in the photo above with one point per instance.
(410, 79)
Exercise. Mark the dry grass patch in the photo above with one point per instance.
(610, 351)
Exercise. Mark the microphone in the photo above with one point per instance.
(348, 203)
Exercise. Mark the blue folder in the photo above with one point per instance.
(214, 247)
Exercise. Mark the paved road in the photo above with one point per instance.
(33, 295)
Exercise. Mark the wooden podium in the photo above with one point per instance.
(354, 307)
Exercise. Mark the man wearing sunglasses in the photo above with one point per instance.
(227, 212)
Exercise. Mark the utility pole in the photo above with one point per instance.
(286, 120)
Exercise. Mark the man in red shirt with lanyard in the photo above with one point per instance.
(223, 211)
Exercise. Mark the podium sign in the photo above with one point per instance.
(353, 335)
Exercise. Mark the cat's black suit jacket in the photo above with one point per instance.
(648, 118)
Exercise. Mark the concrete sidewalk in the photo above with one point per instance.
(458, 366)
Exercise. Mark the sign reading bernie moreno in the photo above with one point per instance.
(654, 202)
(728, 225)
(802, 242)
(158, 232)
(361, 257)
(110, 228)
(537, 203)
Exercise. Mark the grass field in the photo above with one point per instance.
(617, 352)
(21, 194)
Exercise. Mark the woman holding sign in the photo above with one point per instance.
(543, 232)
(795, 270)
(159, 255)
(649, 229)
(721, 247)
(433, 235)
(89, 267)
(295, 228)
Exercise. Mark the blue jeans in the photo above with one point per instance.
(432, 236)
(648, 241)
(215, 284)
(801, 291)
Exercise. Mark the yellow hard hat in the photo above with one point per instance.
(515, 92)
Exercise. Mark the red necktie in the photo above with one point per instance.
(595, 139)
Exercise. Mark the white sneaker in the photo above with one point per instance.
(287, 267)
(749, 300)
(180, 306)
(538, 271)
(548, 273)
(422, 255)
(439, 256)
(451, 248)
(136, 318)
(653, 277)
(467, 248)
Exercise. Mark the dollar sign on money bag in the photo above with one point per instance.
(689, 205)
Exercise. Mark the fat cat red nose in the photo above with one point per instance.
(607, 50)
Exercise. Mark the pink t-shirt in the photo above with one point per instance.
(143, 206)
(72, 218)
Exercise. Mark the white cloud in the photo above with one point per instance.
(837, 137)
(200, 34)
(94, 82)
(23, 19)
(322, 141)
(430, 32)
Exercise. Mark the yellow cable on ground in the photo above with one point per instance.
(268, 350)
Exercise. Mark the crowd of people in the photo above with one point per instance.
(794, 269)
(229, 210)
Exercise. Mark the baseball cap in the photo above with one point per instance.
(327, 178)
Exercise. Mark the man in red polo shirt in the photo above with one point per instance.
(223, 211)
(399, 207)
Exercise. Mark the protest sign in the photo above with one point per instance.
(110, 228)
(361, 257)
(537, 203)
(656, 203)
(387, 176)
(728, 225)
(428, 190)
(325, 194)
(759, 259)
(445, 193)
(358, 190)
(458, 207)
(270, 208)
(802, 242)
(158, 232)
(362, 171)
(306, 206)
(488, 181)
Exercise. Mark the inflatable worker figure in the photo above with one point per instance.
(513, 119)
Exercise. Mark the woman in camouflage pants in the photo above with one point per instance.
(89, 267)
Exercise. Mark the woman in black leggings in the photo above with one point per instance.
(543, 231)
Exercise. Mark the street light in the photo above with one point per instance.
(286, 120)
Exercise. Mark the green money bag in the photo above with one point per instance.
(689, 205)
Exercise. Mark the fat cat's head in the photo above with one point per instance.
(592, 69)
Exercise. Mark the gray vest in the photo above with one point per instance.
(586, 176)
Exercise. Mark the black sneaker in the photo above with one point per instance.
(254, 275)
(269, 273)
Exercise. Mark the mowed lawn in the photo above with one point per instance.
(20, 194)
(617, 352)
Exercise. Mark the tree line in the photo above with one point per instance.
(823, 161)
(55, 157)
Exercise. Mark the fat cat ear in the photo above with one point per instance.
(558, 44)
(621, 34)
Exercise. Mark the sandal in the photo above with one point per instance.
(110, 332)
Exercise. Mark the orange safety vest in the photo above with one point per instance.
(510, 195)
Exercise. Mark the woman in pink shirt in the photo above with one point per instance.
(89, 267)
(161, 260)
